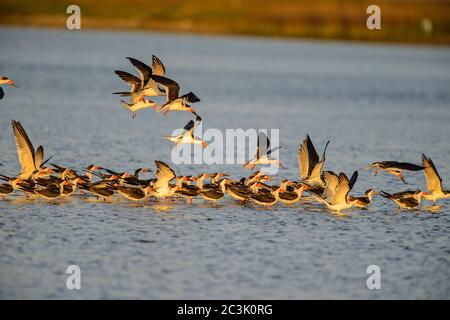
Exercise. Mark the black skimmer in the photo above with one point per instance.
(187, 136)
(214, 194)
(52, 192)
(434, 181)
(175, 102)
(290, 197)
(101, 189)
(19, 184)
(133, 193)
(5, 190)
(5, 80)
(161, 187)
(138, 104)
(263, 152)
(238, 192)
(263, 198)
(149, 86)
(340, 200)
(310, 166)
(405, 202)
(365, 201)
(395, 168)
(30, 161)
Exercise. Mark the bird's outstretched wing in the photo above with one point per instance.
(158, 67)
(144, 70)
(130, 79)
(164, 174)
(25, 149)
(408, 166)
(39, 157)
(190, 97)
(172, 88)
(331, 180)
(262, 146)
(307, 158)
(434, 181)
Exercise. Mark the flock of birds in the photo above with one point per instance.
(40, 178)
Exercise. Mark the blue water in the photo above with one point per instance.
(375, 102)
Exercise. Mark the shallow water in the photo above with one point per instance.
(375, 102)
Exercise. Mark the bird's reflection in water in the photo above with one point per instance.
(162, 207)
(432, 208)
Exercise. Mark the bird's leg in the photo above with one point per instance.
(281, 164)
(400, 175)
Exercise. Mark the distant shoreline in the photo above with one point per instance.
(48, 26)
(402, 22)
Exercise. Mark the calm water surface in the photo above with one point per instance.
(375, 102)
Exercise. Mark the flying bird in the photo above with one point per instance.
(310, 166)
(145, 85)
(138, 104)
(187, 136)
(174, 101)
(395, 168)
(263, 152)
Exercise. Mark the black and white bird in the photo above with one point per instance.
(5, 80)
(143, 86)
(340, 200)
(395, 168)
(187, 136)
(364, 201)
(161, 187)
(174, 101)
(310, 166)
(434, 181)
(405, 202)
(263, 153)
(31, 162)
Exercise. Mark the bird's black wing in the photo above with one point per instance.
(132, 80)
(409, 166)
(2, 93)
(190, 97)
(144, 70)
(189, 125)
(173, 89)
(353, 179)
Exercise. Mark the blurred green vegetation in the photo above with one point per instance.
(401, 20)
